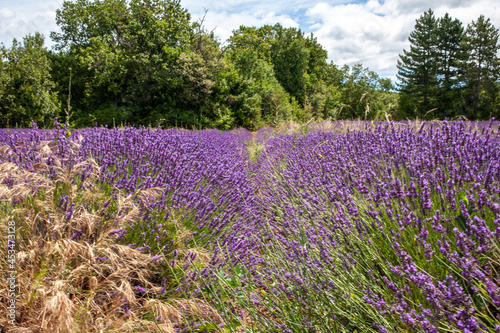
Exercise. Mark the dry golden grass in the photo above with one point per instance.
(337, 127)
(65, 285)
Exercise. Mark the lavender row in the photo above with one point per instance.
(422, 203)
(201, 173)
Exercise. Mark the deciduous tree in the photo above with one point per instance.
(25, 84)
(125, 50)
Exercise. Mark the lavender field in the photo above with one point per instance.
(331, 227)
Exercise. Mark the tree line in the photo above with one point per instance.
(450, 70)
(141, 62)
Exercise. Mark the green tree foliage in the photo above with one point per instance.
(365, 95)
(25, 84)
(449, 56)
(259, 40)
(481, 69)
(448, 72)
(298, 61)
(323, 93)
(191, 84)
(299, 66)
(417, 68)
(122, 53)
(135, 24)
(290, 58)
(257, 98)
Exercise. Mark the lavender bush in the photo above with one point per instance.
(383, 229)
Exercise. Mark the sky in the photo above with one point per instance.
(371, 32)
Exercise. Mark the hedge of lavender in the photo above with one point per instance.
(382, 228)
(386, 229)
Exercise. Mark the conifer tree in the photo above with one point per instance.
(449, 56)
(417, 68)
(481, 69)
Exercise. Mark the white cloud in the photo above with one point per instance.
(359, 33)
(6, 13)
(25, 17)
(245, 6)
(224, 23)
(19, 28)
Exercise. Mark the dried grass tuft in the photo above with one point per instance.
(24, 330)
(198, 308)
(150, 194)
(85, 283)
(57, 313)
